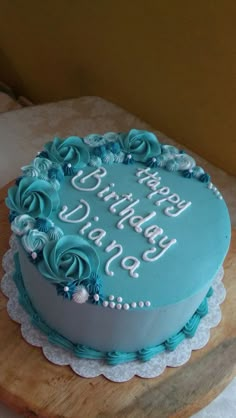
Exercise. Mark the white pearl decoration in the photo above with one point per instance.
(34, 255)
(116, 302)
(66, 289)
(81, 295)
(96, 297)
(69, 165)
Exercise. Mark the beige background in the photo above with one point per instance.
(173, 63)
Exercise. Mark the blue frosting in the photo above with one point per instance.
(70, 151)
(141, 144)
(43, 224)
(83, 351)
(34, 240)
(32, 197)
(70, 258)
(38, 199)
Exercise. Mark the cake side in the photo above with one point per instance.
(58, 337)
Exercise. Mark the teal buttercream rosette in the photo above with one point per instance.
(34, 241)
(69, 258)
(142, 145)
(22, 224)
(32, 197)
(71, 151)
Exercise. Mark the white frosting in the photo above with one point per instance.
(113, 245)
(131, 267)
(137, 221)
(64, 217)
(126, 213)
(96, 174)
(162, 245)
(105, 190)
(112, 195)
(181, 206)
(86, 226)
(162, 191)
(96, 235)
(124, 197)
(151, 232)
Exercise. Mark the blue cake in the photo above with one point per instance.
(119, 239)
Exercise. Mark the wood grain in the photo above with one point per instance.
(37, 388)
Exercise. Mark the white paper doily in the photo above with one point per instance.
(93, 368)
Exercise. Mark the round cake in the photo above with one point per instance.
(119, 240)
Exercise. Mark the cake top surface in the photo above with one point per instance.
(130, 222)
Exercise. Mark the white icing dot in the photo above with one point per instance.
(141, 304)
(119, 299)
(147, 303)
(129, 156)
(38, 152)
(112, 305)
(118, 306)
(69, 165)
(210, 185)
(191, 170)
(133, 304)
(96, 218)
(96, 297)
(34, 255)
(154, 159)
(126, 306)
(105, 303)
(217, 193)
(111, 297)
(215, 189)
(112, 184)
(220, 197)
(66, 289)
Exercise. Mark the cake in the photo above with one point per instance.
(119, 239)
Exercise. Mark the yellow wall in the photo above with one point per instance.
(171, 62)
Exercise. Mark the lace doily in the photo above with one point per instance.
(93, 368)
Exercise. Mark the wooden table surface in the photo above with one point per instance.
(35, 387)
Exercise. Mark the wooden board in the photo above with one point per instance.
(35, 387)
